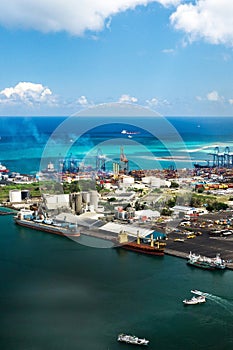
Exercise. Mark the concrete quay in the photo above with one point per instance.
(203, 245)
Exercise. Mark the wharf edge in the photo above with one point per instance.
(183, 255)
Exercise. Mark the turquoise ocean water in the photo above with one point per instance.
(23, 140)
(57, 294)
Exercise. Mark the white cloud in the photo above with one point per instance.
(153, 102)
(73, 16)
(27, 93)
(207, 19)
(230, 101)
(157, 102)
(213, 96)
(82, 100)
(127, 98)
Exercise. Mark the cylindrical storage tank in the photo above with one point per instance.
(94, 199)
(86, 197)
(15, 196)
(124, 215)
(72, 201)
(25, 194)
(78, 203)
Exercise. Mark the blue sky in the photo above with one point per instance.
(173, 56)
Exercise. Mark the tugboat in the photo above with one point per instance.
(132, 339)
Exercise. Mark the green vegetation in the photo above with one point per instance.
(171, 202)
(79, 185)
(166, 212)
(174, 184)
(216, 206)
(33, 188)
(139, 206)
(72, 187)
(112, 199)
(209, 201)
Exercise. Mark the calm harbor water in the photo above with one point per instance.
(58, 294)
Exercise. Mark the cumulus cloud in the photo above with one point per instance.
(230, 101)
(82, 100)
(210, 20)
(213, 96)
(27, 93)
(153, 102)
(73, 16)
(127, 99)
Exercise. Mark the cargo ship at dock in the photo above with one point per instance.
(27, 219)
(144, 246)
(206, 263)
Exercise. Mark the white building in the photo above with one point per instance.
(147, 214)
(55, 201)
(155, 182)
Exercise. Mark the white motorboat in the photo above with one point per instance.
(132, 339)
(195, 300)
(197, 292)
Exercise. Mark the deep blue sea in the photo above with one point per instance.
(56, 294)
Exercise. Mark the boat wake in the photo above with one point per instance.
(228, 305)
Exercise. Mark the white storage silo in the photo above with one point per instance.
(78, 203)
(94, 199)
(86, 197)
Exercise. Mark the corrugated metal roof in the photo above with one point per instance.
(131, 230)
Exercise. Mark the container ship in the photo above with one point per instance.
(145, 246)
(27, 218)
(206, 263)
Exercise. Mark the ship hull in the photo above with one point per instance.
(46, 228)
(143, 249)
(201, 265)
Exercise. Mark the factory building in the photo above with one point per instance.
(18, 196)
(55, 201)
(155, 182)
(122, 214)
